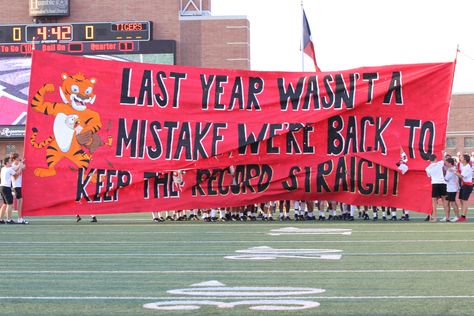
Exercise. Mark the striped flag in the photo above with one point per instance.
(308, 46)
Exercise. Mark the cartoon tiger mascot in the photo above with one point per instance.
(74, 126)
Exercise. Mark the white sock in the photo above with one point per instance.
(353, 209)
(297, 205)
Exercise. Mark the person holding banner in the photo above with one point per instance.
(465, 175)
(438, 185)
(452, 187)
(6, 174)
(16, 183)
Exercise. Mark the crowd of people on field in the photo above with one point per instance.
(280, 210)
(451, 179)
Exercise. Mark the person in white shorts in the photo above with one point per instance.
(438, 185)
(6, 174)
(452, 188)
(465, 175)
(16, 184)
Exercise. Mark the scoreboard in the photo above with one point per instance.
(75, 38)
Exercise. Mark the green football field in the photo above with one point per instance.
(128, 265)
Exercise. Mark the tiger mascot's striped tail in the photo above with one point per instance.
(44, 143)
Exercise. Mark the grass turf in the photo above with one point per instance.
(55, 266)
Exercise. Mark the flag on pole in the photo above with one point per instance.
(308, 46)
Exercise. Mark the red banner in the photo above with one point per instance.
(113, 137)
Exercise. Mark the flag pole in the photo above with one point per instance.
(302, 36)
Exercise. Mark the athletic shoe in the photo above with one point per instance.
(454, 219)
(94, 219)
(384, 218)
(78, 218)
(350, 218)
(156, 220)
(405, 217)
(443, 219)
(22, 221)
(10, 222)
(394, 218)
(427, 218)
(461, 219)
(2, 221)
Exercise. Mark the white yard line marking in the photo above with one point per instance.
(14, 273)
(219, 254)
(216, 232)
(34, 222)
(402, 297)
(309, 231)
(174, 242)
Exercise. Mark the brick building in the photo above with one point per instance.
(185, 33)
(460, 134)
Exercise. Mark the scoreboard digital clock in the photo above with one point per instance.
(76, 32)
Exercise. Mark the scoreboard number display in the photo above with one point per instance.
(76, 32)
(121, 37)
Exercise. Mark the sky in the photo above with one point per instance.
(355, 33)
